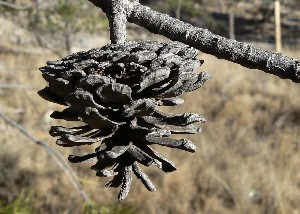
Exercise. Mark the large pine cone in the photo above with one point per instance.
(115, 91)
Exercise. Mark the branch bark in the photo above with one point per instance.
(60, 161)
(117, 20)
(204, 40)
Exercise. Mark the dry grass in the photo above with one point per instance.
(248, 157)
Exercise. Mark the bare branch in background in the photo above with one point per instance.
(13, 6)
(59, 159)
(204, 40)
(23, 87)
(178, 9)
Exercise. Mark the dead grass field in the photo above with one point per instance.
(247, 159)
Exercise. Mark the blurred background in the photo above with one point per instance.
(248, 154)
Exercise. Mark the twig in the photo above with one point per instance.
(178, 9)
(13, 6)
(117, 20)
(10, 86)
(59, 159)
(27, 95)
(204, 40)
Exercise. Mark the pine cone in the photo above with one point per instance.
(115, 92)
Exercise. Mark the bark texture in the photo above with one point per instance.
(202, 39)
(117, 20)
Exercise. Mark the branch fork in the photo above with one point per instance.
(202, 39)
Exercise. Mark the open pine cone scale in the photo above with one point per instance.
(115, 92)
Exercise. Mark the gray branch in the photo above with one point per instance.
(13, 6)
(117, 20)
(204, 40)
(22, 87)
(60, 161)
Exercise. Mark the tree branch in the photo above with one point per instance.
(59, 159)
(204, 40)
(117, 20)
(22, 87)
(13, 6)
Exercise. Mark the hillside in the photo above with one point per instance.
(254, 20)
